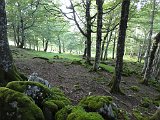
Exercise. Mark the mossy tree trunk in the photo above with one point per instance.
(151, 59)
(7, 69)
(99, 33)
(120, 46)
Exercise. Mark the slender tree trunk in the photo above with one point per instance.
(139, 52)
(114, 45)
(120, 46)
(105, 37)
(18, 35)
(99, 33)
(107, 45)
(150, 37)
(46, 46)
(103, 43)
(59, 44)
(85, 50)
(88, 19)
(7, 69)
(151, 58)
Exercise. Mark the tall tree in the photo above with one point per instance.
(99, 33)
(7, 69)
(150, 37)
(120, 46)
(151, 59)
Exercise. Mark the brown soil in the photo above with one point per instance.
(77, 81)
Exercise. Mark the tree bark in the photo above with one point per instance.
(99, 33)
(120, 46)
(151, 58)
(7, 69)
(107, 45)
(114, 45)
(46, 46)
(59, 44)
(150, 37)
(88, 19)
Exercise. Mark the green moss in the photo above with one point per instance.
(16, 106)
(93, 103)
(51, 105)
(63, 113)
(135, 88)
(107, 68)
(21, 86)
(78, 113)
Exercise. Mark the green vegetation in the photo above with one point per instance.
(93, 103)
(107, 68)
(15, 105)
(135, 88)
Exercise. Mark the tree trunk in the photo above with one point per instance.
(85, 50)
(105, 37)
(99, 33)
(7, 69)
(156, 65)
(114, 45)
(59, 44)
(46, 46)
(88, 19)
(120, 46)
(22, 34)
(107, 45)
(151, 58)
(150, 37)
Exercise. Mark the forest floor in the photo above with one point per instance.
(77, 81)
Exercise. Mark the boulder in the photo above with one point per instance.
(101, 104)
(34, 77)
(17, 106)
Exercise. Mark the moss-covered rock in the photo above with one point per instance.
(17, 106)
(101, 104)
(77, 113)
(56, 102)
(63, 113)
(94, 103)
(36, 91)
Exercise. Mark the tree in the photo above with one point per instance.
(150, 37)
(151, 59)
(99, 33)
(120, 46)
(7, 69)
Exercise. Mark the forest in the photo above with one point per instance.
(79, 59)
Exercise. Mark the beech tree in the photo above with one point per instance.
(7, 69)
(99, 33)
(120, 46)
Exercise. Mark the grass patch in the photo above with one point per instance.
(107, 68)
